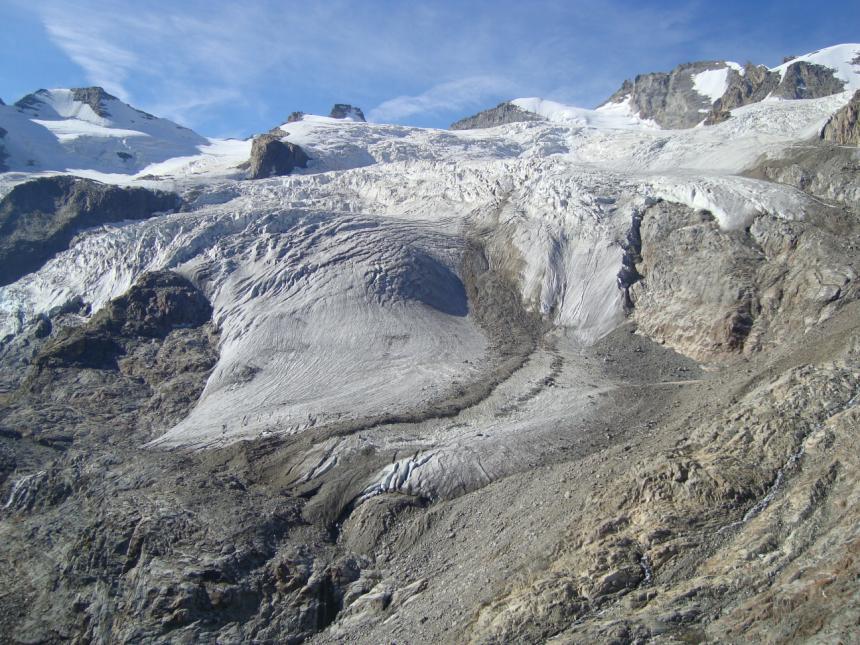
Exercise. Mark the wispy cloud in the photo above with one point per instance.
(259, 59)
(465, 93)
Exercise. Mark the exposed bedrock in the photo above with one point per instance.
(95, 97)
(843, 128)
(800, 80)
(819, 168)
(149, 350)
(669, 99)
(505, 112)
(746, 497)
(39, 218)
(710, 293)
(272, 157)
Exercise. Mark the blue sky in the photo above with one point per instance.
(236, 68)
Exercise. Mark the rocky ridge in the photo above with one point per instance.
(505, 112)
(40, 218)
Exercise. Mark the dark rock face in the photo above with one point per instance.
(295, 116)
(158, 303)
(345, 110)
(669, 99)
(39, 218)
(94, 97)
(843, 128)
(505, 112)
(271, 157)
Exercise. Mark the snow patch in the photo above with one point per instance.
(711, 83)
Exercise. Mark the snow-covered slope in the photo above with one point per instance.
(91, 133)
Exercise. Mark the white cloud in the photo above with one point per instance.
(466, 93)
(193, 58)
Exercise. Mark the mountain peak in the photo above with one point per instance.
(347, 111)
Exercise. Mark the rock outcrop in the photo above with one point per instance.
(95, 97)
(347, 111)
(751, 86)
(711, 293)
(273, 157)
(801, 80)
(295, 116)
(40, 217)
(669, 99)
(505, 112)
(843, 128)
(823, 169)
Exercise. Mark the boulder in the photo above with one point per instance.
(272, 157)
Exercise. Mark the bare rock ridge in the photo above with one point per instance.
(505, 112)
(40, 217)
(843, 128)
(273, 157)
(347, 111)
(672, 101)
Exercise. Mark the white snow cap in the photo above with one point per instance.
(844, 60)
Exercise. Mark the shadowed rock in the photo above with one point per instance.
(38, 219)
(346, 111)
(804, 80)
(750, 87)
